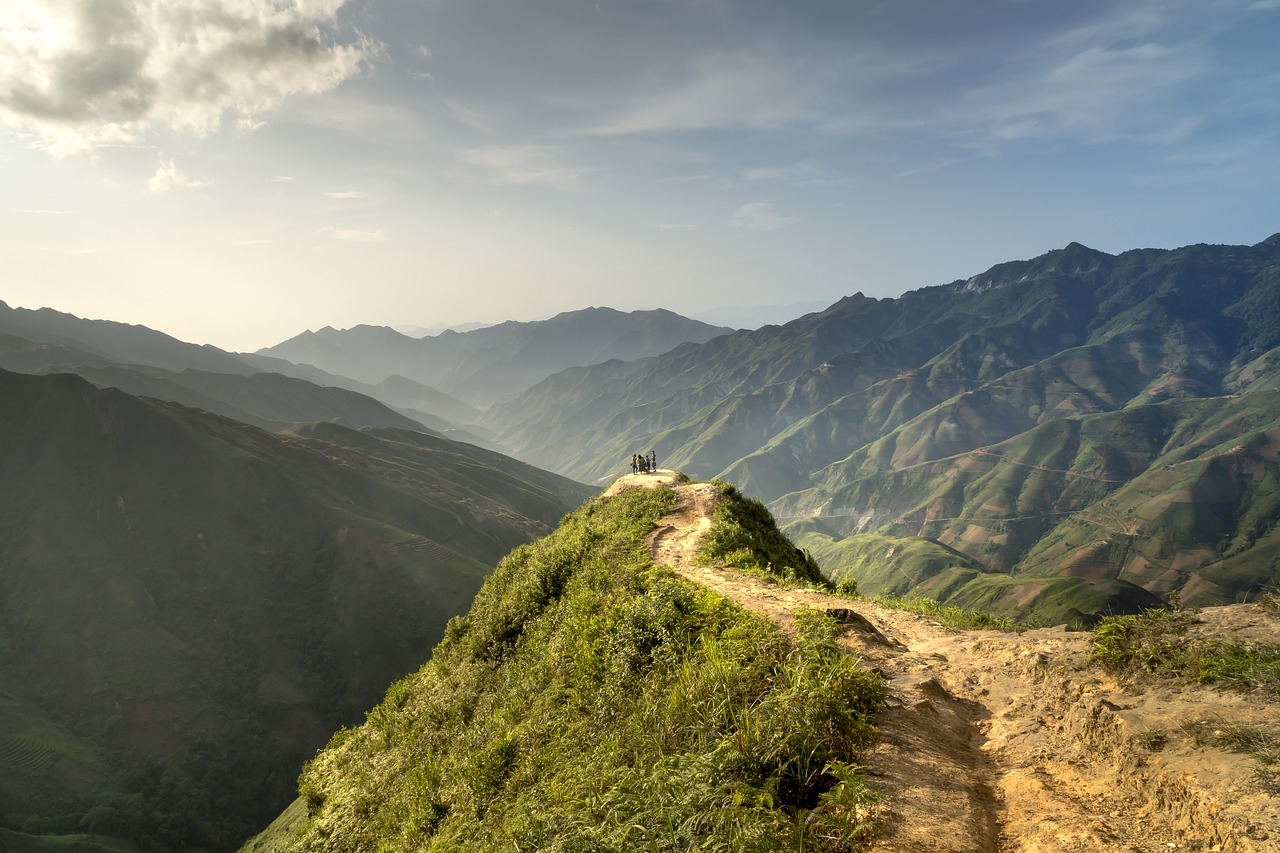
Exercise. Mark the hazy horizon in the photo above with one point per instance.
(238, 177)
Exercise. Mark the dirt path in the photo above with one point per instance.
(1014, 743)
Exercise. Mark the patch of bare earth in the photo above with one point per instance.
(1003, 742)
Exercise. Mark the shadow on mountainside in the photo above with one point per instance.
(993, 741)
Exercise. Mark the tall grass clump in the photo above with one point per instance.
(593, 701)
(744, 536)
(1157, 642)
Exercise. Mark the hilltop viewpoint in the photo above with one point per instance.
(666, 671)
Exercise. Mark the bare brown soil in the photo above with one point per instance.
(1015, 742)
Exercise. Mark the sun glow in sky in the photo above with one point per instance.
(235, 171)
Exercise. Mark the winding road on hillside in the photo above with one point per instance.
(1014, 743)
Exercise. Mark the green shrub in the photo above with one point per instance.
(743, 536)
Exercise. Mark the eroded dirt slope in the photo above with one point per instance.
(1015, 743)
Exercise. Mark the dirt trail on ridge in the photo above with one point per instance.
(1015, 743)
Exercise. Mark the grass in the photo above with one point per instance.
(1154, 740)
(744, 536)
(1157, 642)
(1258, 742)
(950, 616)
(593, 701)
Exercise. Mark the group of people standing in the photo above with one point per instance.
(644, 463)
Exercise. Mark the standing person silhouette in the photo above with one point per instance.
(635, 463)
(653, 461)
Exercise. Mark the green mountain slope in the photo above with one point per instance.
(859, 408)
(593, 701)
(1180, 496)
(189, 605)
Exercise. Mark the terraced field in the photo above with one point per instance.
(23, 754)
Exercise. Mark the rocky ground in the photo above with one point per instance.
(1015, 742)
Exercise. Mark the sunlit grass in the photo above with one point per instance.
(950, 616)
(1157, 642)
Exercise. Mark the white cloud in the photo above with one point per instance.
(281, 179)
(345, 194)
(356, 235)
(760, 216)
(81, 75)
(516, 165)
(170, 177)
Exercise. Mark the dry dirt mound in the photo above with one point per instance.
(1002, 742)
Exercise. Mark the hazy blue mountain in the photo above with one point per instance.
(432, 408)
(190, 605)
(495, 362)
(116, 342)
(427, 331)
(271, 401)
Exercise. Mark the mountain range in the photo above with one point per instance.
(493, 363)
(1107, 419)
(364, 376)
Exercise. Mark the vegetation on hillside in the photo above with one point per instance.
(189, 606)
(1110, 421)
(593, 701)
(950, 616)
(1157, 642)
(744, 536)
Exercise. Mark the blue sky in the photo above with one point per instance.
(235, 171)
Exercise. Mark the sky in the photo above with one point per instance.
(236, 171)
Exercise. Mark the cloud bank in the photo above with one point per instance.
(76, 75)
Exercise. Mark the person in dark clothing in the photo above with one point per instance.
(635, 463)
(653, 460)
